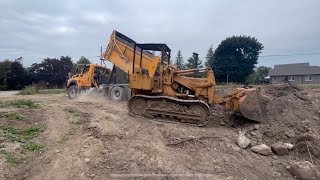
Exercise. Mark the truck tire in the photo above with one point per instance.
(118, 93)
(72, 92)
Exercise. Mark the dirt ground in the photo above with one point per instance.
(95, 138)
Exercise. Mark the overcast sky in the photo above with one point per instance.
(36, 29)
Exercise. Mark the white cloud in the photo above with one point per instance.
(64, 29)
(99, 18)
(36, 17)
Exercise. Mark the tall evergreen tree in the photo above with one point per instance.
(191, 62)
(209, 56)
(179, 60)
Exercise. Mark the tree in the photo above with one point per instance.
(179, 60)
(261, 73)
(251, 79)
(18, 76)
(83, 60)
(5, 67)
(209, 56)
(78, 66)
(235, 58)
(191, 62)
(52, 71)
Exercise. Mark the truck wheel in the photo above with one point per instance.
(117, 93)
(73, 92)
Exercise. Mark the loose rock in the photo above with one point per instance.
(87, 160)
(243, 141)
(91, 175)
(289, 146)
(304, 170)
(280, 148)
(262, 149)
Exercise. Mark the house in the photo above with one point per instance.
(298, 73)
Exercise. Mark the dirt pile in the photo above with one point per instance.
(291, 115)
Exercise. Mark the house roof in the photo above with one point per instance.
(294, 69)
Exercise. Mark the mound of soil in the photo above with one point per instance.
(291, 115)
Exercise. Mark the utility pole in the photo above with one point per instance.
(196, 59)
(227, 79)
(101, 55)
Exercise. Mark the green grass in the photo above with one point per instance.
(52, 91)
(21, 135)
(22, 103)
(34, 147)
(30, 90)
(11, 115)
(12, 158)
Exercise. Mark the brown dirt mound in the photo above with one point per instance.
(290, 115)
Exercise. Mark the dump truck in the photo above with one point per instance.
(97, 79)
(160, 89)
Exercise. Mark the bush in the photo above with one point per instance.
(29, 90)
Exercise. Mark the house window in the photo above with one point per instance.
(291, 78)
(307, 78)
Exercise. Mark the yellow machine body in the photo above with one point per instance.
(154, 76)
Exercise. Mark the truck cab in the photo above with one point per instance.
(92, 76)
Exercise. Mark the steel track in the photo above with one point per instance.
(171, 109)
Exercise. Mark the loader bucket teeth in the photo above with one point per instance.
(250, 106)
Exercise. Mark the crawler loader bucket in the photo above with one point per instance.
(249, 104)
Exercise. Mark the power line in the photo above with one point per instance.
(272, 55)
(302, 54)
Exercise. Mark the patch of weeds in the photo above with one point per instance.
(34, 147)
(71, 110)
(21, 135)
(22, 103)
(52, 91)
(11, 115)
(72, 131)
(3, 104)
(25, 104)
(12, 158)
(28, 90)
(81, 120)
(2, 146)
(63, 139)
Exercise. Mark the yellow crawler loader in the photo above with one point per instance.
(159, 89)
